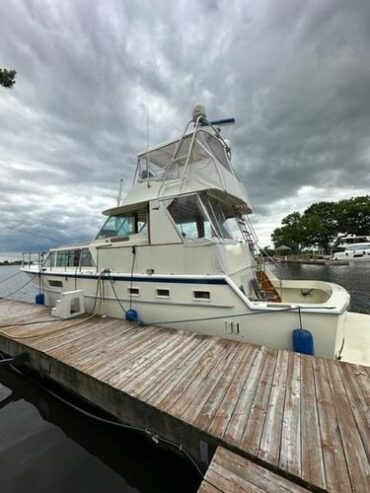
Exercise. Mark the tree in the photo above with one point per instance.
(354, 215)
(7, 77)
(290, 233)
(322, 222)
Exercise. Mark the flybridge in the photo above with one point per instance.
(200, 159)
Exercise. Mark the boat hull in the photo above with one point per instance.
(210, 305)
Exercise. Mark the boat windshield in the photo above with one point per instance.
(200, 216)
(124, 224)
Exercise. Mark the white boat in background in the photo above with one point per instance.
(356, 248)
(180, 251)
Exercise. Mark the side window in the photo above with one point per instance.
(86, 258)
(124, 224)
(62, 258)
(189, 217)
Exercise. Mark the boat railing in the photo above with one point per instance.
(33, 259)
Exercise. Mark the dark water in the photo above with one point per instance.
(45, 446)
(354, 277)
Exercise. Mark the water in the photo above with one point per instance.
(47, 447)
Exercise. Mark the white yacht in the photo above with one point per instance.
(353, 248)
(179, 251)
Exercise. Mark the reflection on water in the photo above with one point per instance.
(47, 447)
(354, 277)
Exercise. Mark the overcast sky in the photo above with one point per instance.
(294, 74)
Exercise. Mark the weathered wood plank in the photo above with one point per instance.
(313, 469)
(199, 393)
(351, 441)
(254, 427)
(235, 428)
(166, 378)
(176, 402)
(290, 450)
(359, 406)
(173, 385)
(221, 420)
(205, 487)
(230, 472)
(336, 472)
(213, 404)
(126, 351)
(255, 474)
(141, 370)
(269, 449)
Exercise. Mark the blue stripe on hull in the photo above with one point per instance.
(167, 280)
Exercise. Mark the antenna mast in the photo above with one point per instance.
(120, 192)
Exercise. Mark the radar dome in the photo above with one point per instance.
(199, 111)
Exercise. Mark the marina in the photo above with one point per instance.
(303, 418)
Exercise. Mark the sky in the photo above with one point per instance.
(294, 74)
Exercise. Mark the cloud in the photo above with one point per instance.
(294, 75)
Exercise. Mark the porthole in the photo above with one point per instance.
(163, 293)
(133, 291)
(202, 295)
(55, 284)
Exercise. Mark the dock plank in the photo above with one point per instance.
(290, 451)
(211, 407)
(336, 471)
(229, 473)
(269, 449)
(254, 428)
(359, 406)
(313, 469)
(352, 444)
(235, 427)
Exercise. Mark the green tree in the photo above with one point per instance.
(290, 233)
(322, 222)
(354, 215)
(7, 77)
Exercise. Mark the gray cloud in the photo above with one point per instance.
(295, 76)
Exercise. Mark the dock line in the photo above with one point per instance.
(18, 359)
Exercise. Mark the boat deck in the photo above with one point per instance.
(301, 417)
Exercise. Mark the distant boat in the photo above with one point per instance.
(356, 248)
(180, 251)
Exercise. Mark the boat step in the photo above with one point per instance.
(71, 304)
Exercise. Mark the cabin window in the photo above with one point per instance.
(86, 259)
(68, 258)
(163, 293)
(202, 295)
(74, 258)
(190, 218)
(124, 224)
(133, 291)
(226, 223)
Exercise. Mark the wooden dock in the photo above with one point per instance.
(301, 418)
(229, 473)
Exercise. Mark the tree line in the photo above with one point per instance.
(320, 224)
